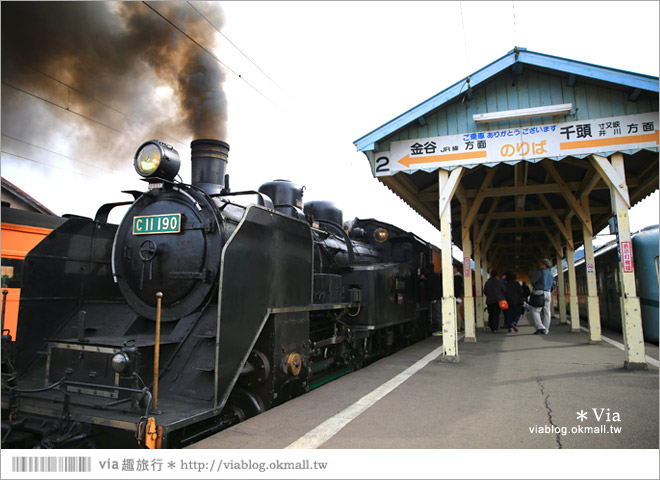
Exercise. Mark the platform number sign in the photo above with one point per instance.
(382, 166)
(627, 257)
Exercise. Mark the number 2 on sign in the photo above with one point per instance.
(382, 165)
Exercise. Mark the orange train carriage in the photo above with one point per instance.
(22, 230)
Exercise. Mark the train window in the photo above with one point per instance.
(12, 272)
(617, 283)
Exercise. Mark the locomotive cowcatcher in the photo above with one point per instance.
(197, 312)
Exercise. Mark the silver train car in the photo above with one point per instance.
(645, 256)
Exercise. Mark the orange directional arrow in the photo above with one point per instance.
(407, 161)
(606, 142)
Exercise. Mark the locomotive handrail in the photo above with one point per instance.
(103, 212)
(37, 390)
(159, 299)
(4, 305)
(263, 202)
(344, 235)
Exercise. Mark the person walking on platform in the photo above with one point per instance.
(494, 291)
(513, 292)
(458, 293)
(542, 285)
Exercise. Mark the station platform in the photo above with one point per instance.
(509, 391)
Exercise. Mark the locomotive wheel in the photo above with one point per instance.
(256, 370)
(245, 404)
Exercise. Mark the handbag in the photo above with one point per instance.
(536, 300)
(504, 305)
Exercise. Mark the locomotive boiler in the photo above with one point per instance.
(197, 312)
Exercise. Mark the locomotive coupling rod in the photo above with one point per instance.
(159, 300)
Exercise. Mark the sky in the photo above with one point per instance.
(304, 80)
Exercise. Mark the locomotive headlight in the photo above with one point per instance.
(381, 235)
(120, 362)
(148, 159)
(155, 159)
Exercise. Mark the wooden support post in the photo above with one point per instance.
(485, 268)
(561, 289)
(633, 336)
(593, 307)
(468, 299)
(478, 285)
(572, 283)
(449, 330)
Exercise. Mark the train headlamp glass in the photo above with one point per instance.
(148, 159)
(381, 235)
(120, 362)
(155, 159)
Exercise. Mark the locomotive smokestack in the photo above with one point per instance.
(209, 162)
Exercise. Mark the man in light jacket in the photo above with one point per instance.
(542, 285)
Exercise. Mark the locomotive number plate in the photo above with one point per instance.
(153, 224)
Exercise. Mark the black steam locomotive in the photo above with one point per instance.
(197, 312)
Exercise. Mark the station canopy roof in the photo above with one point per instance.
(527, 165)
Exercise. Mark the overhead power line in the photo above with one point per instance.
(68, 170)
(208, 52)
(236, 47)
(96, 167)
(515, 29)
(84, 94)
(60, 106)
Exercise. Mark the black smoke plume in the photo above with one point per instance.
(119, 68)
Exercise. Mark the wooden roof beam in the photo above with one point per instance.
(405, 189)
(611, 177)
(489, 217)
(555, 218)
(650, 176)
(474, 209)
(527, 229)
(568, 195)
(449, 190)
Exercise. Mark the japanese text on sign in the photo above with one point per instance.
(627, 257)
(522, 143)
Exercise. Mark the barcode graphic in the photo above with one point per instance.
(51, 464)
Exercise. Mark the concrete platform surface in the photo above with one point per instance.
(509, 391)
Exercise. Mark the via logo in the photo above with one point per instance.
(605, 415)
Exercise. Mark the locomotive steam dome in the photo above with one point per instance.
(169, 241)
(324, 210)
(286, 196)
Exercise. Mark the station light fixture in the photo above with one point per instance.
(542, 111)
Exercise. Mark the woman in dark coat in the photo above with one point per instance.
(494, 291)
(515, 296)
